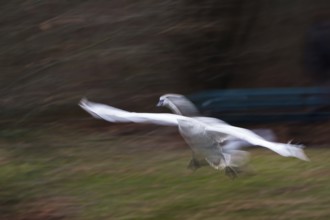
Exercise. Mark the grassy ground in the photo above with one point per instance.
(52, 172)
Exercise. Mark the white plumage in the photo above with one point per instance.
(230, 145)
(200, 133)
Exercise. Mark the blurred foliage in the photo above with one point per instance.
(128, 53)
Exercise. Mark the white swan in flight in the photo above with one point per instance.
(231, 146)
(201, 133)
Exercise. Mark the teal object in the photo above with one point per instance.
(265, 104)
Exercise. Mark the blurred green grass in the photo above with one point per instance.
(62, 173)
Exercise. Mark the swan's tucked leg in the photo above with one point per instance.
(230, 170)
(240, 159)
(226, 164)
(195, 163)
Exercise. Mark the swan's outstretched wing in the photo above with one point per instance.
(286, 150)
(113, 114)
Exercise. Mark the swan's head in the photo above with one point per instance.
(178, 104)
(167, 99)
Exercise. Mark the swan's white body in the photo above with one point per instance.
(230, 146)
(201, 133)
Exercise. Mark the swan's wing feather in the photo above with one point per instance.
(96, 108)
(113, 114)
(286, 150)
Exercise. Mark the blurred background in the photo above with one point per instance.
(127, 54)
